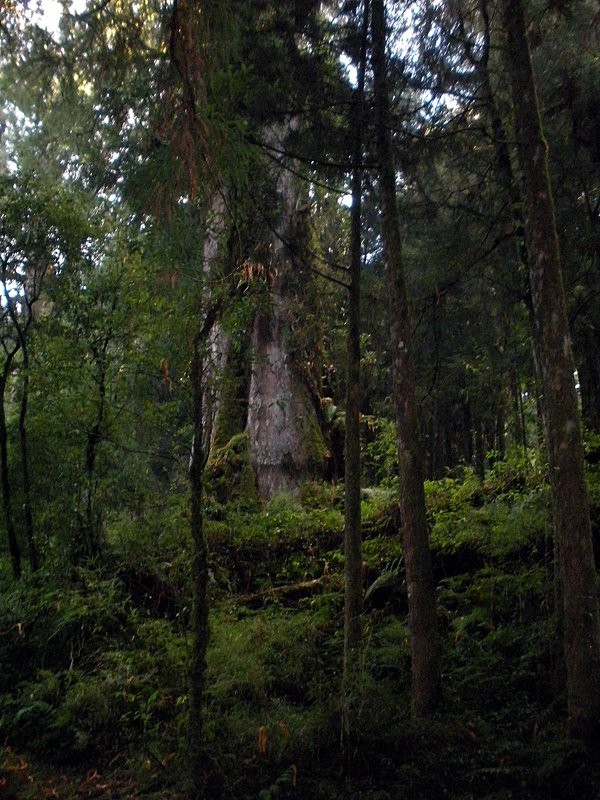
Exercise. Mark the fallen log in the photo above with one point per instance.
(292, 591)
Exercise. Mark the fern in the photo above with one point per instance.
(388, 577)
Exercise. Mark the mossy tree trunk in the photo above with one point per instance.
(425, 649)
(556, 371)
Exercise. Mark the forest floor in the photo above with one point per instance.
(94, 695)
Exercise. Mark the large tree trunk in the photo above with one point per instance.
(227, 370)
(425, 649)
(561, 412)
(218, 342)
(286, 444)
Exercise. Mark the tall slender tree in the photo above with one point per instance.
(200, 607)
(561, 413)
(353, 591)
(425, 650)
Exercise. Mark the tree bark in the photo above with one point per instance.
(353, 577)
(218, 341)
(13, 542)
(511, 188)
(425, 650)
(20, 313)
(200, 630)
(21, 316)
(286, 444)
(561, 412)
(27, 510)
(199, 565)
(91, 529)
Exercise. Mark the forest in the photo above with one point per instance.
(299, 399)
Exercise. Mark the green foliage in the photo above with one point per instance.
(90, 673)
(271, 685)
(388, 648)
(114, 167)
(150, 552)
(55, 636)
(258, 657)
(389, 576)
(95, 667)
(380, 461)
(259, 541)
(492, 598)
(287, 780)
(512, 520)
(54, 627)
(41, 219)
(448, 493)
(383, 552)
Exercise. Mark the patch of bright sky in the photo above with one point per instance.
(47, 13)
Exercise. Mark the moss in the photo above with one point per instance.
(231, 416)
(229, 478)
(236, 448)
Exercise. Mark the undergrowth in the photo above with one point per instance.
(95, 660)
